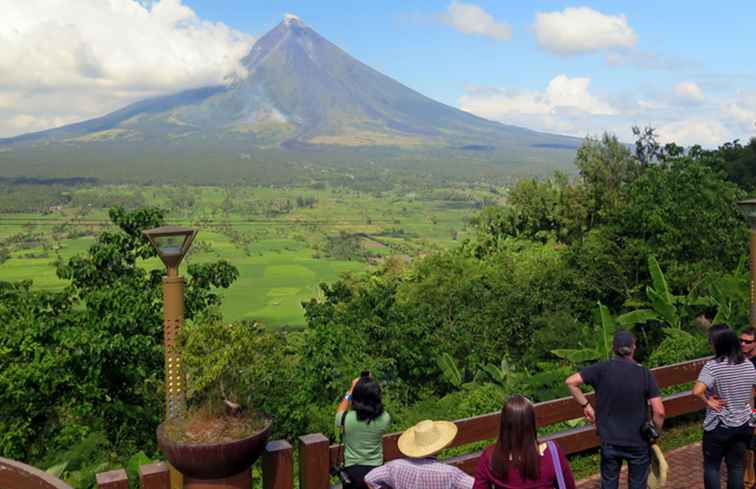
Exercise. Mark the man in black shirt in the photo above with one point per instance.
(748, 344)
(623, 390)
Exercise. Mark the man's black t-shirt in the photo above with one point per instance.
(623, 388)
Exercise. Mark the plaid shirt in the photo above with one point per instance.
(420, 473)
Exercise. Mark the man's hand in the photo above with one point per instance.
(589, 414)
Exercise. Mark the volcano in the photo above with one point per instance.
(303, 98)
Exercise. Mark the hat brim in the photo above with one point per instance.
(409, 448)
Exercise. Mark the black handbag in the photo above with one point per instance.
(338, 470)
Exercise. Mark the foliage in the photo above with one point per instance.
(239, 362)
(89, 359)
(735, 160)
(449, 370)
(677, 346)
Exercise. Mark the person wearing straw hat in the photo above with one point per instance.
(421, 469)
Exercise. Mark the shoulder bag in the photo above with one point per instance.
(557, 464)
(338, 470)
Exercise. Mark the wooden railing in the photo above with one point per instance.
(15, 475)
(316, 455)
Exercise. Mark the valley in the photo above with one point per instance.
(285, 241)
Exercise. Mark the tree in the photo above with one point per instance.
(90, 358)
(683, 213)
(606, 167)
(647, 148)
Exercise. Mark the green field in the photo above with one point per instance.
(284, 241)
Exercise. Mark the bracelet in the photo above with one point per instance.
(587, 403)
(348, 397)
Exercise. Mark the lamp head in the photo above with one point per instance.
(171, 244)
(748, 208)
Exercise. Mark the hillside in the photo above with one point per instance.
(303, 102)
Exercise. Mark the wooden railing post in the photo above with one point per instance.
(278, 465)
(115, 479)
(314, 462)
(154, 476)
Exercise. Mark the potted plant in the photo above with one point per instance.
(220, 435)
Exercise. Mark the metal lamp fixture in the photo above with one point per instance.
(748, 208)
(171, 244)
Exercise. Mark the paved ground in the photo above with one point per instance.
(685, 471)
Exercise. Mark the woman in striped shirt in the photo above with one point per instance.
(725, 384)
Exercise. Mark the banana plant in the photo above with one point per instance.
(660, 297)
(605, 328)
(730, 295)
(502, 375)
(449, 370)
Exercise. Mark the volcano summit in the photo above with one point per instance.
(303, 101)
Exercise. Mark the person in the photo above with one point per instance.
(517, 460)
(748, 344)
(624, 389)
(362, 428)
(421, 469)
(725, 384)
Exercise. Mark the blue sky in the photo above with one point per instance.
(573, 68)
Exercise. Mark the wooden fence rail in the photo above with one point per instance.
(15, 475)
(316, 456)
(486, 426)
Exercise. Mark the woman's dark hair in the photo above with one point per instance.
(715, 330)
(726, 345)
(516, 446)
(366, 399)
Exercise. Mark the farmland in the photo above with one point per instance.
(284, 241)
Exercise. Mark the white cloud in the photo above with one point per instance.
(471, 19)
(562, 95)
(567, 106)
(65, 60)
(742, 112)
(577, 30)
(695, 131)
(689, 93)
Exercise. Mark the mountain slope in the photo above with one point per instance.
(301, 93)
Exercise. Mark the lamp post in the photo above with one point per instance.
(172, 244)
(748, 208)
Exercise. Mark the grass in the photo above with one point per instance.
(278, 247)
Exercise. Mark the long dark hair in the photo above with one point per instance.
(715, 330)
(517, 443)
(727, 346)
(366, 399)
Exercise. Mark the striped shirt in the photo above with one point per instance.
(732, 383)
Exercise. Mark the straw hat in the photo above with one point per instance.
(427, 438)
(657, 478)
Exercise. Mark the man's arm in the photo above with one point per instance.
(657, 408)
(574, 382)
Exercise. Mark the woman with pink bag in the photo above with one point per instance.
(517, 460)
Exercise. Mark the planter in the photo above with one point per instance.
(214, 460)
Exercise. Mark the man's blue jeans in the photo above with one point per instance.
(638, 464)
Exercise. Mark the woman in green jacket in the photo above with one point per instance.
(363, 427)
